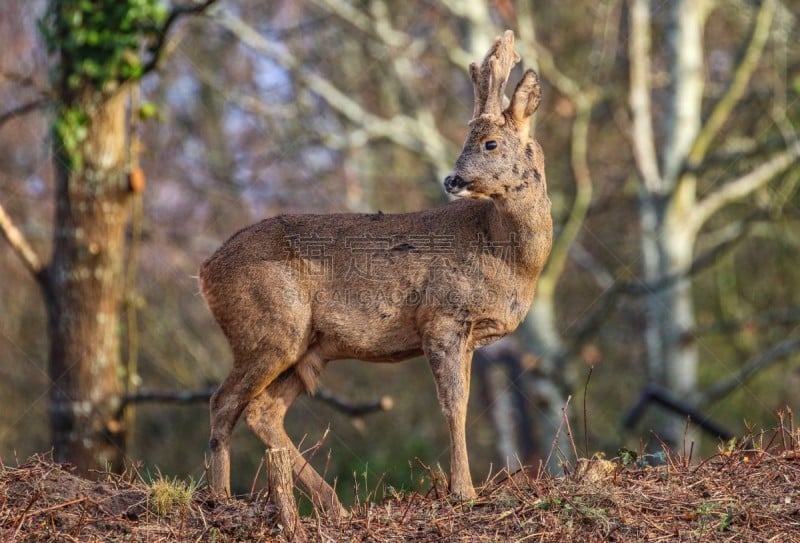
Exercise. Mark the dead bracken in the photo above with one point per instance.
(742, 494)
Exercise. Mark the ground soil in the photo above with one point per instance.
(744, 494)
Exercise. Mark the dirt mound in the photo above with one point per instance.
(741, 495)
(44, 501)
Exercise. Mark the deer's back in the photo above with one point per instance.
(366, 285)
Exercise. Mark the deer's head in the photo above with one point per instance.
(500, 159)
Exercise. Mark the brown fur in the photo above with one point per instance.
(296, 291)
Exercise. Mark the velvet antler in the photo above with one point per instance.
(489, 79)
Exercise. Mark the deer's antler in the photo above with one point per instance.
(489, 79)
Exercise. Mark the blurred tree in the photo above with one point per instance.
(672, 213)
(669, 138)
(97, 48)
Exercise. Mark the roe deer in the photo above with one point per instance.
(294, 292)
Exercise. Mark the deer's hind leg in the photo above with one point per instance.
(258, 361)
(265, 416)
(267, 330)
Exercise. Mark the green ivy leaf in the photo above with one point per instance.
(148, 110)
(627, 457)
(97, 38)
(97, 42)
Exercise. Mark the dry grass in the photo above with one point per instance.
(167, 494)
(743, 494)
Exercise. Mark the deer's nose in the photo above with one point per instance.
(454, 183)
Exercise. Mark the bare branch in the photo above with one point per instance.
(727, 385)
(477, 13)
(353, 409)
(23, 109)
(744, 185)
(722, 109)
(700, 263)
(783, 316)
(547, 65)
(20, 79)
(723, 240)
(169, 396)
(750, 149)
(667, 400)
(405, 50)
(416, 134)
(378, 27)
(157, 49)
(599, 272)
(583, 197)
(598, 314)
(20, 245)
(642, 138)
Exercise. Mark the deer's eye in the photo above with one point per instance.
(490, 145)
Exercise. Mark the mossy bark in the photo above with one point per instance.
(84, 288)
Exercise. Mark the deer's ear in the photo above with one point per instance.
(525, 100)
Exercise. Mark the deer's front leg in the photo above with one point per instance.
(450, 362)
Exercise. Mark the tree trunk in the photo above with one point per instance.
(667, 247)
(547, 386)
(499, 370)
(281, 493)
(665, 210)
(84, 287)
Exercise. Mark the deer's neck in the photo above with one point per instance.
(527, 224)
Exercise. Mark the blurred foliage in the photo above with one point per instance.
(97, 43)
(99, 40)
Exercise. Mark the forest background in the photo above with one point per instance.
(669, 130)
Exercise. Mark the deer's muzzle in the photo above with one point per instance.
(455, 184)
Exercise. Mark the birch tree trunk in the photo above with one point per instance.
(671, 214)
(667, 199)
(667, 248)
